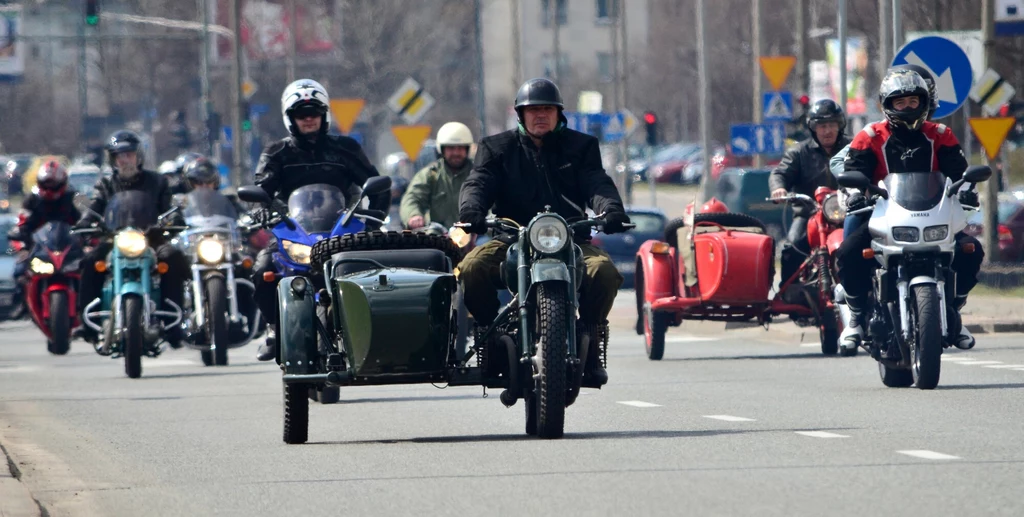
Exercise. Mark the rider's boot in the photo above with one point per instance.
(268, 351)
(845, 315)
(853, 333)
(594, 373)
(964, 341)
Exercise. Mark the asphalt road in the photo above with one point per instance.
(738, 424)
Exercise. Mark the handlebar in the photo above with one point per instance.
(508, 225)
(802, 198)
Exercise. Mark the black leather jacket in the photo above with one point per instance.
(804, 168)
(291, 163)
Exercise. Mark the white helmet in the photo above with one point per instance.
(302, 93)
(453, 133)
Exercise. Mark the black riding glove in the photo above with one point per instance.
(969, 198)
(856, 201)
(614, 222)
(477, 221)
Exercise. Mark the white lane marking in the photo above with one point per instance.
(810, 345)
(978, 363)
(730, 418)
(821, 434)
(688, 339)
(1005, 366)
(638, 403)
(156, 362)
(929, 455)
(955, 358)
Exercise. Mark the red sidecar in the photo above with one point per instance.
(720, 267)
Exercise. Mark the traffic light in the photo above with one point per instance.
(651, 123)
(92, 12)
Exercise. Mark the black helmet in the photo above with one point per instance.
(184, 159)
(928, 79)
(826, 110)
(124, 141)
(202, 170)
(904, 83)
(538, 92)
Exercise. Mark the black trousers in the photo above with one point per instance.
(266, 292)
(794, 253)
(171, 282)
(855, 271)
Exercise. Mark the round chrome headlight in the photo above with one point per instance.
(210, 251)
(131, 243)
(833, 210)
(549, 234)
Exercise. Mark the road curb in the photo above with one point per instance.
(15, 499)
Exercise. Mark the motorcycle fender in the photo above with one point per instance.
(71, 295)
(919, 280)
(546, 270)
(834, 239)
(133, 288)
(659, 271)
(296, 331)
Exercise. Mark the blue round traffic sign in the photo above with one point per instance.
(949, 66)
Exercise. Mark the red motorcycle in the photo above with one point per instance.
(53, 272)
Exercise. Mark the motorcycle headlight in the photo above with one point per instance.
(210, 251)
(549, 234)
(833, 211)
(299, 253)
(131, 243)
(936, 233)
(41, 267)
(906, 234)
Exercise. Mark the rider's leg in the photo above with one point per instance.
(794, 252)
(266, 298)
(480, 276)
(601, 282)
(171, 286)
(90, 286)
(854, 272)
(966, 266)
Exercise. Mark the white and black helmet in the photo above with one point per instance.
(301, 95)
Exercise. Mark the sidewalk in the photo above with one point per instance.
(15, 499)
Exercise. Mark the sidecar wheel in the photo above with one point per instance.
(296, 413)
(217, 318)
(60, 342)
(133, 339)
(895, 378)
(552, 304)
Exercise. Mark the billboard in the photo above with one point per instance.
(265, 27)
(12, 51)
(856, 67)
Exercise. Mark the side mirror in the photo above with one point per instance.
(253, 194)
(853, 179)
(978, 173)
(377, 185)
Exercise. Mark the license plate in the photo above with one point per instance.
(625, 267)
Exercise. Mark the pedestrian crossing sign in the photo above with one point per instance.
(778, 106)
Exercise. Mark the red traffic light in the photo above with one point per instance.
(650, 118)
(805, 99)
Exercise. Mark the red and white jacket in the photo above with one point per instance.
(878, 151)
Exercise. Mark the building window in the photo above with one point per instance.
(607, 10)
(605, 68)
(560, 12)
(549, 65)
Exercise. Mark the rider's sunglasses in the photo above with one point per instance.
(307, 114)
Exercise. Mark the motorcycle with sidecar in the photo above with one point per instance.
(719, 266)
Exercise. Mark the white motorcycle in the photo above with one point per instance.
(914, 220)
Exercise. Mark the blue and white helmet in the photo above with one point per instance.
(305, 93)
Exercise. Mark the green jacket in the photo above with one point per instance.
(434, 194)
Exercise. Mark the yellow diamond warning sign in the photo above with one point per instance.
(345, 113)
(411, 138)
(991, 132)
(776, 69)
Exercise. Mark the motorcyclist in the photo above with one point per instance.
(308, 156)
(803, 169)
(50, 200)
(177, 179)
(520, 172)
(202, 174)
(904, 142)
(126, 157)
(433, 194)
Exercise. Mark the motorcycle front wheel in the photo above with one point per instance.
(215, 305)
(553, 324)
(132, 338)
(60, 335)
(927, 346)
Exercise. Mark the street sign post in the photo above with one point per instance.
(992, 92)
(991, 132)
(778, 106)
(248, 88)
(949, 66)
(411, 138)
(753, 139)
(410, 101)
(345, 112)
(776, 69)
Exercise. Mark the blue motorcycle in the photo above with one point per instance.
(127, 314)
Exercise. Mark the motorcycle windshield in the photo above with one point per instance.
(55, 235)
(916, 191)
(206, 207)
(134, 208)
(316, 207)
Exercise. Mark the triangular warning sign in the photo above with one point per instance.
(614, 127)
(777, 108)
(411, 138)
(777, 69)
(345, 113)
(991, 132)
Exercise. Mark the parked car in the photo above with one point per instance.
(650, 224)
(1010, 230)
(14, 169)
(667, 165)
(11, 307)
